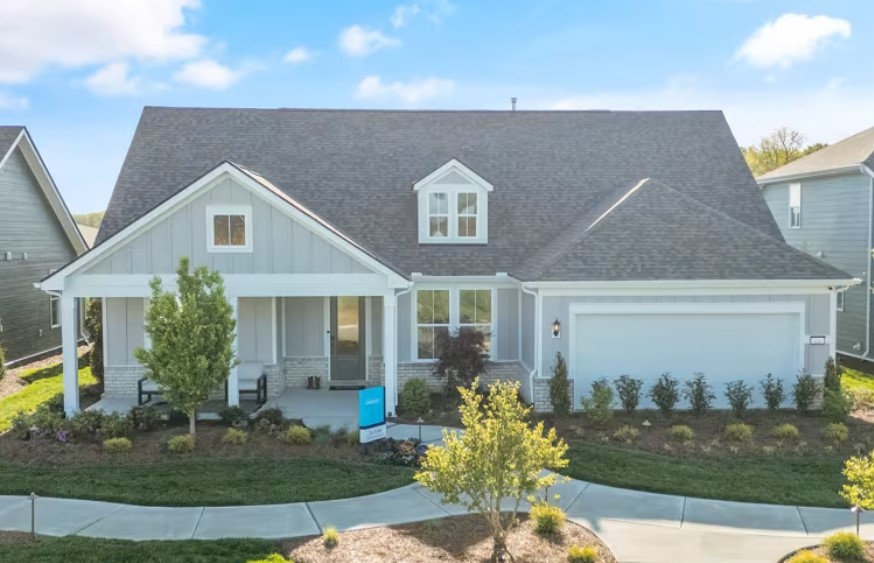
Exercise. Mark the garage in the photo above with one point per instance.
(725, 341)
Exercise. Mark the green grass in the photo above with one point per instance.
(86, 550)
(854, 378)
(210, 482)
(812, 480)
(43, 385)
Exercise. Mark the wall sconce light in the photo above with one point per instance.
(556, 329)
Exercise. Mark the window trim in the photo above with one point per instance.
(470, 182)
(840, 299)
(795, 187)
(54, 301)
(429, 214)
(212, 211)
(454, 315)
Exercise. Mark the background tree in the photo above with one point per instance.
(94, 326)
(498, 456)
(192, 334)
(559, 393)
(780, 147)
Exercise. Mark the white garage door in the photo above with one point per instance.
(725, 346)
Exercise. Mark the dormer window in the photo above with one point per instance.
(453, 206)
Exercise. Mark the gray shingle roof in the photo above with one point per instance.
(355, 169)
(857, 149)
(8, 134)
(652, 232)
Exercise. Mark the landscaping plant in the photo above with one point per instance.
(837, 404)
(298, 435)
(805, 391)
(499, 456)
(739, 432)
(548, 518)
(628, 389)
(681, 433)
(788, 432)
(94, 326)
(665, 393)
(462, 358)
(330, 537)
(859, 490)
(580, 554)
(837, 432)
(844, 546)
(599, 406)
(235, 437)
(832, 375)
(192, 335)
(699, 394)
(772, 391)
(415, 398)
(116, 425)
(739, 396)
(234, 416)
(181, 444)
(559, 392)
(626, 434)
(145, 419)
(807, 556)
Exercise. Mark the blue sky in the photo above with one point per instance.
(78, 73)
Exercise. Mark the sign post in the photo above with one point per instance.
(371, 414)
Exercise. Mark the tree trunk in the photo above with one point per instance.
(192, 416)
(499, 549)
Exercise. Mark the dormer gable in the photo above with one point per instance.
(453, 206)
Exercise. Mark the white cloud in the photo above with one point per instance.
(298, 55)
(403, 14)
(410, 93)
(790, 39)
(113, 80)
(358, 41)
(35, 35)
(207, 73)
(8, 101)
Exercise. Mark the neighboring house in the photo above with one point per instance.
(823, 205)
(37, 236)
(631, 242)
(89, 234)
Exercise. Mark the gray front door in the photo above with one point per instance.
(347, 339)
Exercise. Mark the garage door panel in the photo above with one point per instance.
(725, 347)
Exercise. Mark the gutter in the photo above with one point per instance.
(538, 314)
(762, 182)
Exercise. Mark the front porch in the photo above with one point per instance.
(319, 407)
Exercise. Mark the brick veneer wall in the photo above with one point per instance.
(422, 370)
(541, 394)
(298, 369)
(275, 379)
(122, 380)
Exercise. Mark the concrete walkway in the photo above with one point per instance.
(639, 527)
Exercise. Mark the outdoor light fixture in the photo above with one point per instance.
(556, 329)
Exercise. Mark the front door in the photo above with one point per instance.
(347, 339)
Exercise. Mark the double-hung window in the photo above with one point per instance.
(467, 216)
(794, 206)
(229, 228)
(440, 312)
(453, 206)
(438, 215)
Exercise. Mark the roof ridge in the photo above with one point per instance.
(433, 110)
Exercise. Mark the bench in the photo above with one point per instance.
(146, 389)
(251, 380)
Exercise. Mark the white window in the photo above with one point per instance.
(453, 206)
(440, 312)
(54, 306)
(840, 301)
(438, 215)
(467, 214)
(794, 206)
(229, 228)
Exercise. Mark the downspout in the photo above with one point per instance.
(537, 336)
(396, 390)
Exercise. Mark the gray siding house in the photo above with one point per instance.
(349, 241)
(37, 236)
(823, 206)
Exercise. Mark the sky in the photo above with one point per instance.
(77, 73)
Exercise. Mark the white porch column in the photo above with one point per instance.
(69, 340)
(389, 351)
(233, 380)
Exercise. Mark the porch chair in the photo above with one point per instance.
(251, 380)
(146, 389)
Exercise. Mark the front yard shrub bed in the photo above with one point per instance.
(821, 553)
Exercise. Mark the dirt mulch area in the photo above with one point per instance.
(15, 538)
(458, 538)
(12, 381)
(819, 550)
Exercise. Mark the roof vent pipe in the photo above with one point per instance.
(513, 104)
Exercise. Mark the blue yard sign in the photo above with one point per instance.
(371, 414)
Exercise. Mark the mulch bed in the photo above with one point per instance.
(819, 550)
(458, 538)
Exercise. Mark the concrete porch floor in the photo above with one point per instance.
(123, 404)
(319, 407)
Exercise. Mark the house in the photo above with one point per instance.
(823, 205)
(37, 236)
(631, 242)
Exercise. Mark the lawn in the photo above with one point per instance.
(205, 482)
(21, 549)
(853, 378)
(43, 384)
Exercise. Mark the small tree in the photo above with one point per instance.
(94, 326)
(832, 377)
(462, 357)
(192, 335)
(499, 456)
(859, 490)
(559, 394)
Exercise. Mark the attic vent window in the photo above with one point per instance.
(453, 206)
(229, 228)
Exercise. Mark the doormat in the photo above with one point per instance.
(350, 387)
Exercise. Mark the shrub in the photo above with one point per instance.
(681, 433)
(579, 554)
(352, 439)
(145, 419)
(837, 404)
(43, 422)
(234, 416)
(786, 432)
(272, 558)
(844, 546)
(626, 434)
(235, 436)
(859, 472)
(699, 394)
(116, 425)
(837, 432)
(272, 415)
(739, 432)
(599, 407)
(116, 445)
(181, 444)
(462, 358)
(805, 391)
(415, 399)
(94, 326)
(772, 391)
(628, 389)
(739, 396)
(665, 393)
(832, 375)
(330, 538)
(559, 392)
(86, 424)
(298, 435)
(807, 556)
(548, 518)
